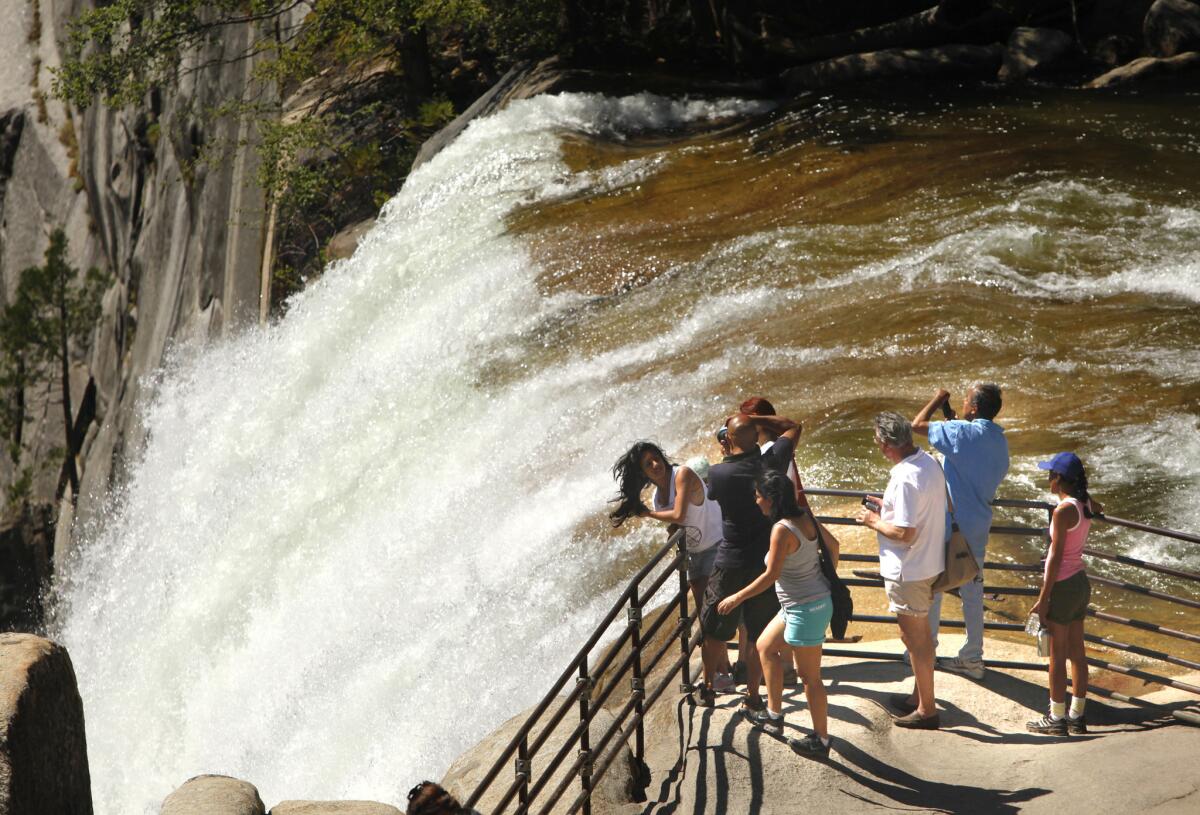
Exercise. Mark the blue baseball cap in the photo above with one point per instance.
(1065, 464)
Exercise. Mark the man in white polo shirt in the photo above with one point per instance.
(910, 525)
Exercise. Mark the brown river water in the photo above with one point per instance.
(852, 253)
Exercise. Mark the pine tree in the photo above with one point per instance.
(53, 310)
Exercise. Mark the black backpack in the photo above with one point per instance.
(839, 592)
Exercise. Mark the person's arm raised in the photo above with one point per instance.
(920, 422)
(780, 425)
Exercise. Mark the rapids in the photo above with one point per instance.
(361, 537)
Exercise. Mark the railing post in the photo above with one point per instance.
(685, 630)
(524, 769)
(585, 747)
(638, 681)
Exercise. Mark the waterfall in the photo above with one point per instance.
(360, 538)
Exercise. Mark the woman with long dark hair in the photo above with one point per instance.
(1062, 603)
(680, 500)
(794, 567)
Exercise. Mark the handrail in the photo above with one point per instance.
(519, 745)
(591, 762)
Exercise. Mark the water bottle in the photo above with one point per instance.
(1033, 626)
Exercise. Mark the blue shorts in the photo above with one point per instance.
(806, 622)
(701, 564)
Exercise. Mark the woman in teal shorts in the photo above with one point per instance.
(794, 567)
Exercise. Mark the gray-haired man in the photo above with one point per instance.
(976, 461)
(910, 526)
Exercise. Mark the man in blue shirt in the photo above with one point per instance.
(975, 460)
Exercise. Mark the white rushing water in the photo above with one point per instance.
(345, 555)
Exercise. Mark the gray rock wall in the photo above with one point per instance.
(162, 197)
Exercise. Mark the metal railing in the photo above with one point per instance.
(866, 578)
(594, 752)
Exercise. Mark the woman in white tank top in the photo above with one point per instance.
(680, 500)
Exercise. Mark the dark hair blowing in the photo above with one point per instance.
(1077, 489)
(779, 490)
(631, 481)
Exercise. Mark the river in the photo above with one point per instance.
(360, 538)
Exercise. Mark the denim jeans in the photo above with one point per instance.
(972, 602)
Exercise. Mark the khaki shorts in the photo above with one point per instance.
(911, 597)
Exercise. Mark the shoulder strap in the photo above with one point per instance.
(949, 500)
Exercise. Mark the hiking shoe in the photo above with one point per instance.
(811, 746)
(900, 702)
(967, 667)
(752, 705)
(706, 697)
(915, 721)
(1047, 726)
(723, 683)
(1077, 727)
(767, 723)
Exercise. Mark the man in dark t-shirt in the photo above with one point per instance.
(741, 556)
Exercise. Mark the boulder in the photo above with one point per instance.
(43, 750)
(333, 808)
(344, 243)
(613, 791)
(955, 61)
(213, 795)
(1115, 50)
(1033, 51)
(1172, 27)
(1150, 68)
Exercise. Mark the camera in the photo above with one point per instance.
(948, 411)
(872, 503)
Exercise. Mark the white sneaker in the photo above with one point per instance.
(968, 667)
(723, 683)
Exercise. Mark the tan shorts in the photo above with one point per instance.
(911, 597)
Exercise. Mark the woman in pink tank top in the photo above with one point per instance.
(1063, 601)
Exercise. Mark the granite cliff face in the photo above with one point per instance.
(182, 239)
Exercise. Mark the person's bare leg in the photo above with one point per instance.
(1058, 661)
(917, 638)
(808, 665)
(745, 647)
(771, 647)
(1078, 657)
(754, 673)
(698, 586)
(711, 651)
(934, 625)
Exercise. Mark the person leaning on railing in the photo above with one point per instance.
(1062, 603)
(680, 500)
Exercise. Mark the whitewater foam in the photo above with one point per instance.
(340, 560)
